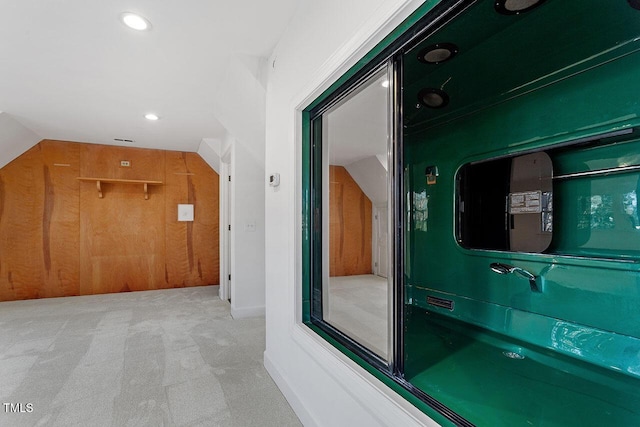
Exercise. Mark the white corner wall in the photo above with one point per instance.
(15, 139)
(210, 151)
(324, 387)
(240, 108)
(371, 177)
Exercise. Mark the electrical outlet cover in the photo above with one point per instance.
(185, 212)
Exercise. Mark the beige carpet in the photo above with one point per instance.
(157, 358)
(358, 306)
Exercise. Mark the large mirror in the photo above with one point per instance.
(356, 284)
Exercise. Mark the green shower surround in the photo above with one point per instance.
(602, 295)
(562, 72)
(531, 84)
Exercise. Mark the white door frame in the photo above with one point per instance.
(226, 192)
(379, 252)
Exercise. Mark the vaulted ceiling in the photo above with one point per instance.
(71, 70)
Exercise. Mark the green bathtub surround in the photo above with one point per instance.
(607, 350)
(467, 369)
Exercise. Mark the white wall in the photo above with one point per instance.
(15, 139)
(247, 232)
(240, 107)
(325, 388)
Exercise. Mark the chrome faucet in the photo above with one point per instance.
(500, 268)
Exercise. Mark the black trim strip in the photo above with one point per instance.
(352, 345)
(315, 249)
(442, 409)
(398, 220)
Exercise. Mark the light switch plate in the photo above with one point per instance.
(185, 212)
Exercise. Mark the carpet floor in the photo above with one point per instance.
(156, 358)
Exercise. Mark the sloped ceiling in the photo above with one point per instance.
(371, 176)
(357, 127)
(71, 70)
(357, 133)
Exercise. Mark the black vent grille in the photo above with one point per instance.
(440, 302)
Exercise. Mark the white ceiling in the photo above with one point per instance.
(70, 70)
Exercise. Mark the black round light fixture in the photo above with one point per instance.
(433, 98)
(437, 53)
(516, 7)
(634, 4)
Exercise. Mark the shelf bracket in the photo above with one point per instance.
(145, 182)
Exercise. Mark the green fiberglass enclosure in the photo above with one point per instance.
(487, 265)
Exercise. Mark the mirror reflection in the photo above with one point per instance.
(506, 204)
(356, 286)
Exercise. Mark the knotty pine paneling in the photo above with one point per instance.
(350, 225)
(57, 238)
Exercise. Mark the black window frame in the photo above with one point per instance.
(391, 373)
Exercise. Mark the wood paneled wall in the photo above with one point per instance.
(57, 238)
(349, 225)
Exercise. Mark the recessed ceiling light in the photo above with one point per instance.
(385, 83)
(135, 21)
(151, 116)
(515, 7)
(437, 53)
(433, 98)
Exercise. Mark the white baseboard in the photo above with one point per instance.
(292, 398)
(244, 312)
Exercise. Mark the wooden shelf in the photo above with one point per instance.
(144, 182)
